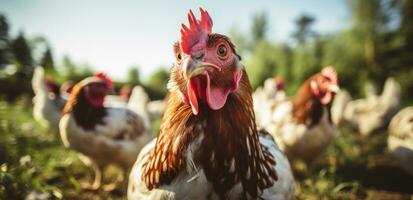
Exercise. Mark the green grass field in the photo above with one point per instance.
(34, 163)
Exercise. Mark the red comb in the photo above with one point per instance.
(105, 78)
(198, 30)
(330, 72)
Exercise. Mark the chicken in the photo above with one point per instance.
(209, 146)
(400, 140)
(47, 102)
(138, 102)
(273, 89)
(272, 92)
(341, 99)
(120, 99)
(302, 126)
(66, 89)
(374, 112)
(102, 135)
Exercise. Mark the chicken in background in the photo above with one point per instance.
(102, 135)
(47, 102)
(374, 112)
(302, 126)
(138, 102)
(66, 89)
(341, 99)
(400, 140)
(263, 97)
(156, 109)
(209, 146)
(125, 92)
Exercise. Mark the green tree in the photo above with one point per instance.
(5, 54)
(406, 25)
(22, 54)
(69, 68)
(133, 76)
(239, 40)
(283, 60)
(261, 63)
(259, 27)
(47, 60)
(369, 19)
(303, 32)
(156, 84)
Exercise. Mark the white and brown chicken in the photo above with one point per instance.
(266, 96)
(400, 140)
(48, 101)
(302, 125)
(371, 113)
(209, 146)
(102, 135)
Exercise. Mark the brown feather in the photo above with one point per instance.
(227, 134)
(307, 109)
(84, 114)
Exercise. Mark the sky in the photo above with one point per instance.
(114, 35)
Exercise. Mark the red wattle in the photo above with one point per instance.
(193, 100)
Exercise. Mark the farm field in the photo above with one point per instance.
(35, 165)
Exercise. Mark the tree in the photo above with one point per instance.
(156, 84)
(22, 54)
(406, 25)
(283, 61)
(133, 76)
(47, 60)
(303, 32)
(259, 27)
(261, 63)
(5, 54)
(239, 40)
(69, 68)
(368, 19)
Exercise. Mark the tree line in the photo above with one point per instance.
(378, 44)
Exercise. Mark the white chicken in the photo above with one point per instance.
(400, 140)
(156, 109)
(374, 112)
(47, 103)
(302, 126)
(138, 102)
(102, 135)
(263, 97)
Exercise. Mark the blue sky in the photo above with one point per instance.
(114, 35)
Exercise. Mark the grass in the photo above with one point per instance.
(34, 163)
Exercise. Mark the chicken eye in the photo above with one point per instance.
(178, 56)
(222, 51)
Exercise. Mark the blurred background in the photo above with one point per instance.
(367, 41)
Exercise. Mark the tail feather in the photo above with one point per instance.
(38, 82)
(138, 102)
(45, 109)
(339, 106)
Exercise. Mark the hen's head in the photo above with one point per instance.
(95, 89)
(279, 83)
(67, 87)
(324, 84)
(52, 87)
(207, 68)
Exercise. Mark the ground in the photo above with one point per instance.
(35, 165)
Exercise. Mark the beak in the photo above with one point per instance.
(334, 88)
(194, 67)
